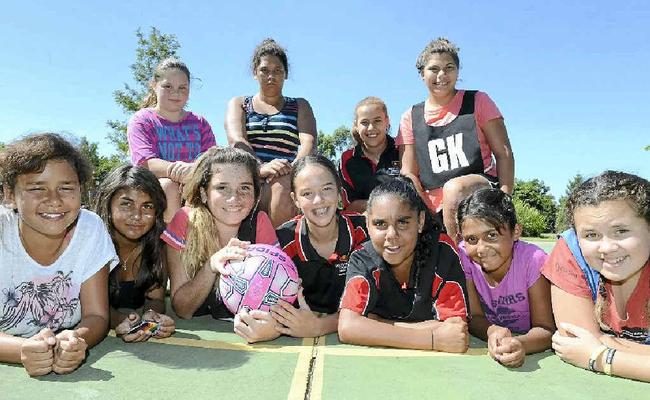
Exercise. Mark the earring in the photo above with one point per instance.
(204, 197)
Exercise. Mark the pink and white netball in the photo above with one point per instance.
(266, 275)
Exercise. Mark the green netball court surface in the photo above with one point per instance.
(205, 360)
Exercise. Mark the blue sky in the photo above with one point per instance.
(570, 77)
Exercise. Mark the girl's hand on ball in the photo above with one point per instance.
(255, 326)
(296, 322)
(234, 250)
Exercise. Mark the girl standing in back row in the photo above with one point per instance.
(454, 141)
(373, 160)
(163, 136)
(275, 128)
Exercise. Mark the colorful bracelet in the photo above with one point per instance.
(608, 361)
(594, 356)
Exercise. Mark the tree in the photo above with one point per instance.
(562, 222)
(530, 219)
(537, 195)
(332, 145)
(152, 49)
(101, 167)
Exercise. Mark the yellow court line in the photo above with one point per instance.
(307, 347)
(318, 370)
(384, 352)
(301, 372)
(221, 345)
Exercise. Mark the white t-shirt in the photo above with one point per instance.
(33, 296)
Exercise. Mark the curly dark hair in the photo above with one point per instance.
(151, 272)
(403, 188)
(31, 153)
(611, 185)
(438, 46)
(269, 47)
(490, 205)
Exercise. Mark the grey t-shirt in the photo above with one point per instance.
(33, 296)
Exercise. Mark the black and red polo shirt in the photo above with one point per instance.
(436, 290)
(359, 174)
(322, 279)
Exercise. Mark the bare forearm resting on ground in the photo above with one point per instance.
(479, 327)
(92, 329)
(536, 340)
(10, 348)
(357, 329)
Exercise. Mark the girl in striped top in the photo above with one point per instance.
(275, 128)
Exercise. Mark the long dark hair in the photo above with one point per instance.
(402, 188)
(151, 273)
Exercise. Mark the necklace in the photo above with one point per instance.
(125, 264)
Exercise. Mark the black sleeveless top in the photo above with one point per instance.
(450, 151)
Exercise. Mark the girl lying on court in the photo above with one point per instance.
(54, 258)
(600, 270)
(218, 223)
(405, 287)
(320, 241)
(510, 301)
(131, 202)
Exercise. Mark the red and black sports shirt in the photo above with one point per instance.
(436, 290)
(322, 279)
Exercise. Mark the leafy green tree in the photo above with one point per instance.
(101, 166)
(530, 219)
(562, 222)
(332, 145)
(152, 48)
(537, 195)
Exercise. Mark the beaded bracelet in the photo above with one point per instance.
(594, 356)
(608, 361)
